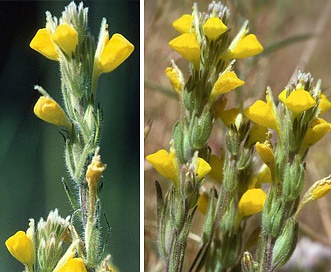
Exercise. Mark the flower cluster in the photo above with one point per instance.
(279, 133)
(68, 41)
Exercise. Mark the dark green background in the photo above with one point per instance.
(31, 151)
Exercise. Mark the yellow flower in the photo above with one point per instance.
(262, 113)
(216, 172)
(321, 190)
(324, 104)
(266, 154)
(66, 38)
(213, 28)
(317, 129)
(50, 111)
(226, 83)
(74, 264)
(176, 78)
(43, 44)
(202, 202)
(203, 168)
(298, 101)
(183, 24)
(165, 164)
(251, 202)
(257, 133)
(188, 46)
(115, 52)
(95, 170)
(21, 247)
(246, 47)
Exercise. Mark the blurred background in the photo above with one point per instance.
(295, 34)
(31, 151)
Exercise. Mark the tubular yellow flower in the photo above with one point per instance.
(165, 164)
(114, 53)
(324, 104)
(266, 154)
(226, 83)
(317, 129)
(251, 202)
(216, 172)
(176, 78)
(188, 46)
(66, 38)
(74, 264)
(298, 101)
(203, 168)
(21, 247)
(262, 113)
(321, 190)
(183, 24)
(248, 46)
(213, 28)
(50, 111)
(43, 44)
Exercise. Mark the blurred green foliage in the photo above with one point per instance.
(31, 151)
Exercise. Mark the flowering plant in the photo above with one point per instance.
(58, 244)
(277, 133)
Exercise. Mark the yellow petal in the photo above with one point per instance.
(176, 78)
(66, 38)
(262, 113)
(21, 247)
(226, 83)
(216, 172)
(321, 190)
(266, 154)
(317, 129)
(282, 96)
(50, 111)
(188, 46)
(213, 28)
(95, 170)
(74, 264)
(43, 44)
(183, 24)
(202, 202)
(257, 133)
(203, 168)
(246, 47)
(264, 175)
(229, 117)
(116, 51)
(299, 101)
(164, 165)
(252, 202)
(324, 104)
